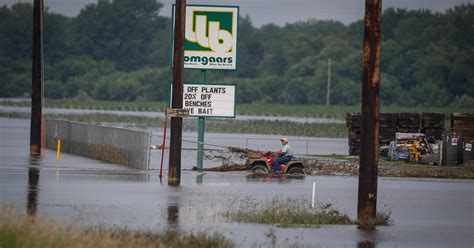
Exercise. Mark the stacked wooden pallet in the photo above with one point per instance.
(390, 123)
(354, 124)
(463, 123)
(387, 127)
(432, 124)
(408, 122)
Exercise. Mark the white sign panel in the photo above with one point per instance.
(209, 100)
(210, 37)
(468, 147)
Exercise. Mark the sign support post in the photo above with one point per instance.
(201, 128)
(200, 154)
(210, 43)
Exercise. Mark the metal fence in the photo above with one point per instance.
(109, 144)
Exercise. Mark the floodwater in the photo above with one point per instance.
(219, 141)
(9, 109)
(426, 212)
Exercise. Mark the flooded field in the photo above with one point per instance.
(426, 212)
(9, 109)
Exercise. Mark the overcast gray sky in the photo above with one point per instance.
(277, 11)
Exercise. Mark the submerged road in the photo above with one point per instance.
(426, 212)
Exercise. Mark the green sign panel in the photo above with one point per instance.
(210, 37)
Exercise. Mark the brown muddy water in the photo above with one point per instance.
(426, 212)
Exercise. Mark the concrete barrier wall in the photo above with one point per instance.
(109, 144)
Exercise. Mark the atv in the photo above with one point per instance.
(264, 164)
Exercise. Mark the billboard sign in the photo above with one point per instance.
(210, 37)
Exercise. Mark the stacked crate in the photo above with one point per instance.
(354, 125)
(387, 128)
(464, 123)
(432, 124)
(408, 122)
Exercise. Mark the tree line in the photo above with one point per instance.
(120, 50)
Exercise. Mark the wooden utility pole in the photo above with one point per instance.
(174, 172)
(367, 195)
(37, 80)
(328, 93)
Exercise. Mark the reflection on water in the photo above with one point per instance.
(368, 239)
(199, 178)
(270, 177)
(33, 180)
(173, 209)
(366, 244)
(173, 217)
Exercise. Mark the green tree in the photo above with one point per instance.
(119, 31)
(16, 32)
(120, 49)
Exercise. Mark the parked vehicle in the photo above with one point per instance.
(411, 147)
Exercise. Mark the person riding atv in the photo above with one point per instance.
(278, 162)
(284, 155)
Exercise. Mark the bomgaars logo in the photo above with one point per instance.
(207, 33)
(210, 37)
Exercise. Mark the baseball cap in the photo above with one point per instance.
(284, 139)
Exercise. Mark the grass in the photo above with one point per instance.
(324, 111)
(20, 230)
(293, 212)
(289, 212)
(335, 111)
(328, 130)
(212, 125)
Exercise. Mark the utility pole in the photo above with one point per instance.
(328, 93)
(37, 80)
(367, 195)
(201, 130)
(174, 171)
